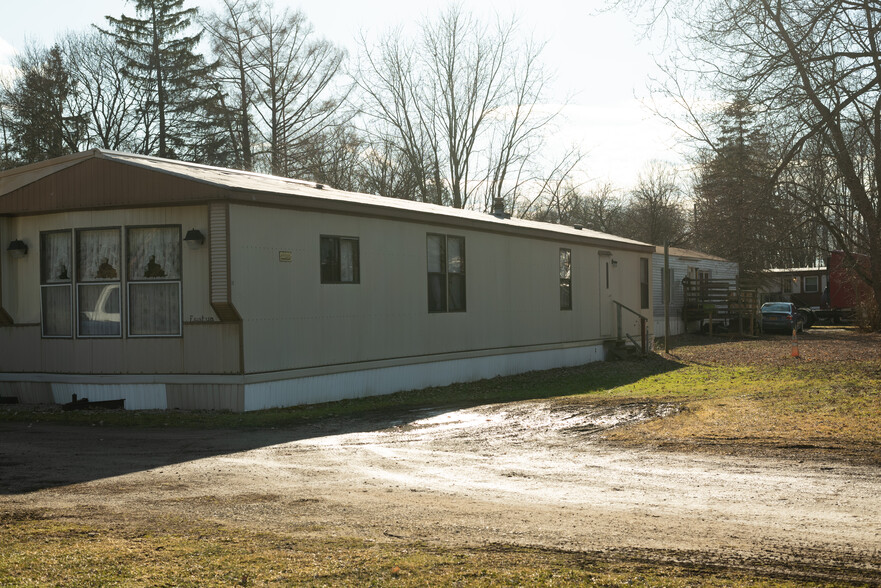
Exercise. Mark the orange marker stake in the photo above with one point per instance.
(794, 343)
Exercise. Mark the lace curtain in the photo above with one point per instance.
(153, 269)
(55, 277)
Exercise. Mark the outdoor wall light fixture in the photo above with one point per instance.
(17, 248)
(614, 263)
(194, 238)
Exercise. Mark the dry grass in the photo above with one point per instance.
(753, 397)
(175, 552)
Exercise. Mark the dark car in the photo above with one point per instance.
(781, 316)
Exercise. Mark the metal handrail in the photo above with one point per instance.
(642, 323)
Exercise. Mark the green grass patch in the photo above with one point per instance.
(44, 552)
(826, 405)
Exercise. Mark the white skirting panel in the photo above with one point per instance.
(327, 388)
(137, 396)
(677, 326)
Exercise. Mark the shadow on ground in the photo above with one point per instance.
(73, 448)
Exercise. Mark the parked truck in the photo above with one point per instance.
(845, 288)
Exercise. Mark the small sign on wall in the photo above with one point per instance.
(285, 256)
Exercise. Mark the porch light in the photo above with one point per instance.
(194, 238)
(17, 248)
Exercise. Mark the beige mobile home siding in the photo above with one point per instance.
(291, 321)
(206, 347)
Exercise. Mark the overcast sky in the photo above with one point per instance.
(601, 64)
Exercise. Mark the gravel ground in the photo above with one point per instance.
(534, 473)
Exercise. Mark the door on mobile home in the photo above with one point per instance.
(606, 283)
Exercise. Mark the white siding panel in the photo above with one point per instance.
(677, 326)
(137, 396)
(719, 270)
(362, 383)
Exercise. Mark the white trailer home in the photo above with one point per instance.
(685, 264)
(175, 285)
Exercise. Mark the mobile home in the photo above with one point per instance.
(176, 285)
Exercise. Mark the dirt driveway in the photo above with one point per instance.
(530, 473)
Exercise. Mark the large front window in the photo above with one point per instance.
(88, 285)
(446, 273)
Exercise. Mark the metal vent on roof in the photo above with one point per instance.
(499, 208)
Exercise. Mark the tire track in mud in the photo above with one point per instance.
(532, 474)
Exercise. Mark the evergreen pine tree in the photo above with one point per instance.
(38, 123)
(181, 108)
(734, 198)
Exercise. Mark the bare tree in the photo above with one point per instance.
(602, 210)
(293, 73)
(232, 36)
(7, 158)
(107, 99)
(460, 100)
(386, 171)
(398, 117)
(655, 212)
(335, 158)
(557, 198)
(813, 68)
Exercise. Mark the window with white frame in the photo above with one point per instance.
(98, 278)
(811, 284)
(84, 273)
(446, 273)
(56, 279)
(154, 281)
(340, 262)
(565, 279)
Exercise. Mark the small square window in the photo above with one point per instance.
(340, 260)
(812, 284)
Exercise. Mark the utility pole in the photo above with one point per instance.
(666, 294)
